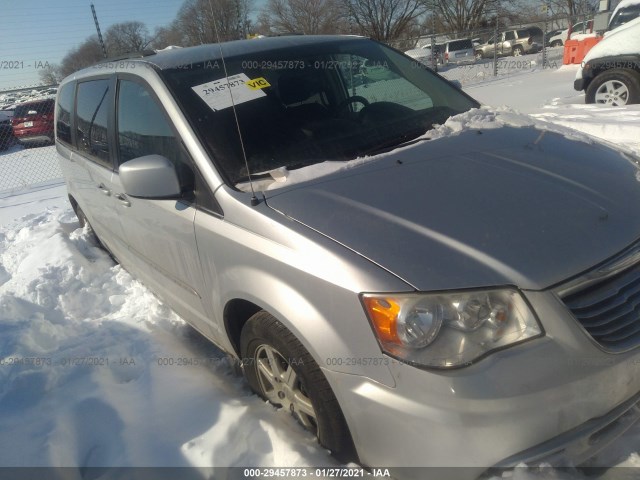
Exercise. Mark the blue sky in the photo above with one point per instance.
(33, 32)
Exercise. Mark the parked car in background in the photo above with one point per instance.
(33, 122)
(422, 302)
(512, 42)
(610, 72)
(458, 51)
(550, 36)
(423, 54)
(6, 131)
(579, 28)
(626, 11)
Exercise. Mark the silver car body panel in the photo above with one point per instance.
(469, 236)
(306, 252)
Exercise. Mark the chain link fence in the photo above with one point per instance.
(497, 51)
(27, 153)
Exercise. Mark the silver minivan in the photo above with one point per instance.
(465, 301)
(459, 51)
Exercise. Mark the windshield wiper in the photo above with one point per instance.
(395, 142)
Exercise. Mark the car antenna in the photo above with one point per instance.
(254, 199)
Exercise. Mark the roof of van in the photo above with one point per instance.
(177, 57)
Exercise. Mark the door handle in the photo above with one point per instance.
(123, 200)
(104, 189)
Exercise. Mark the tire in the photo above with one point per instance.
(280, 370)
(82, 218)
(517, 51)
(478, 55)
(615, 88)
(85, 225)
(556, 43)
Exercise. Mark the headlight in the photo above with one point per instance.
(445, 330)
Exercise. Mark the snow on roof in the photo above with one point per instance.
(623, 40)
(625, 4)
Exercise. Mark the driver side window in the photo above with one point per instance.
(375, 81)
(144, 130)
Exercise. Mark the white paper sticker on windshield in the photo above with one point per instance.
(218, 94)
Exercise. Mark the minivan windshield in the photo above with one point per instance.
(306, 104)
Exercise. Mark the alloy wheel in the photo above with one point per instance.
(612, 92)
(281, 385)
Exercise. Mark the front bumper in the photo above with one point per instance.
(557, 399)
(578, 84)
(580, 444)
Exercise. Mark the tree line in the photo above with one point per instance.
(207, 21)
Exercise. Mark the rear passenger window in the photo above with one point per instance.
(63, 118)
(144, 130)
(92, 113)
(460, 45)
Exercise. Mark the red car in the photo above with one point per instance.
(33, 122)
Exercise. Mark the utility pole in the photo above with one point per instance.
(434, 54)
(241, 34)
(495, 47)
(95, 19)
(545, 9)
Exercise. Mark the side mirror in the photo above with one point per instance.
(456, 83)
(151, 176)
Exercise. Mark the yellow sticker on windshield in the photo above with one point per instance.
(257, 83)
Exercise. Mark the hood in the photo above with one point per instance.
(513, 206)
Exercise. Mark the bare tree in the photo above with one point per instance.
(384, 20)
(166, 36)
(571, 7)
(311, 17)
(50, 75)
(199, 20)
(463, 15)
(87, 53)
(126, 37)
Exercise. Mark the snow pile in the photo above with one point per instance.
(548, 95)
(480, 118)
(485, 118)
(618, 126)
(95, 371)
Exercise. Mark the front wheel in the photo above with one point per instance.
(280, 370)
(89, 231)
(615, 88)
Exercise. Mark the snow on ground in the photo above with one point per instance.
(95, 371)
(21, 168)
(548, 94)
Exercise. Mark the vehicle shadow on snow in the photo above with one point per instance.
(96, 378)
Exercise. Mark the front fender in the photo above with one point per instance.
(337, 336)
